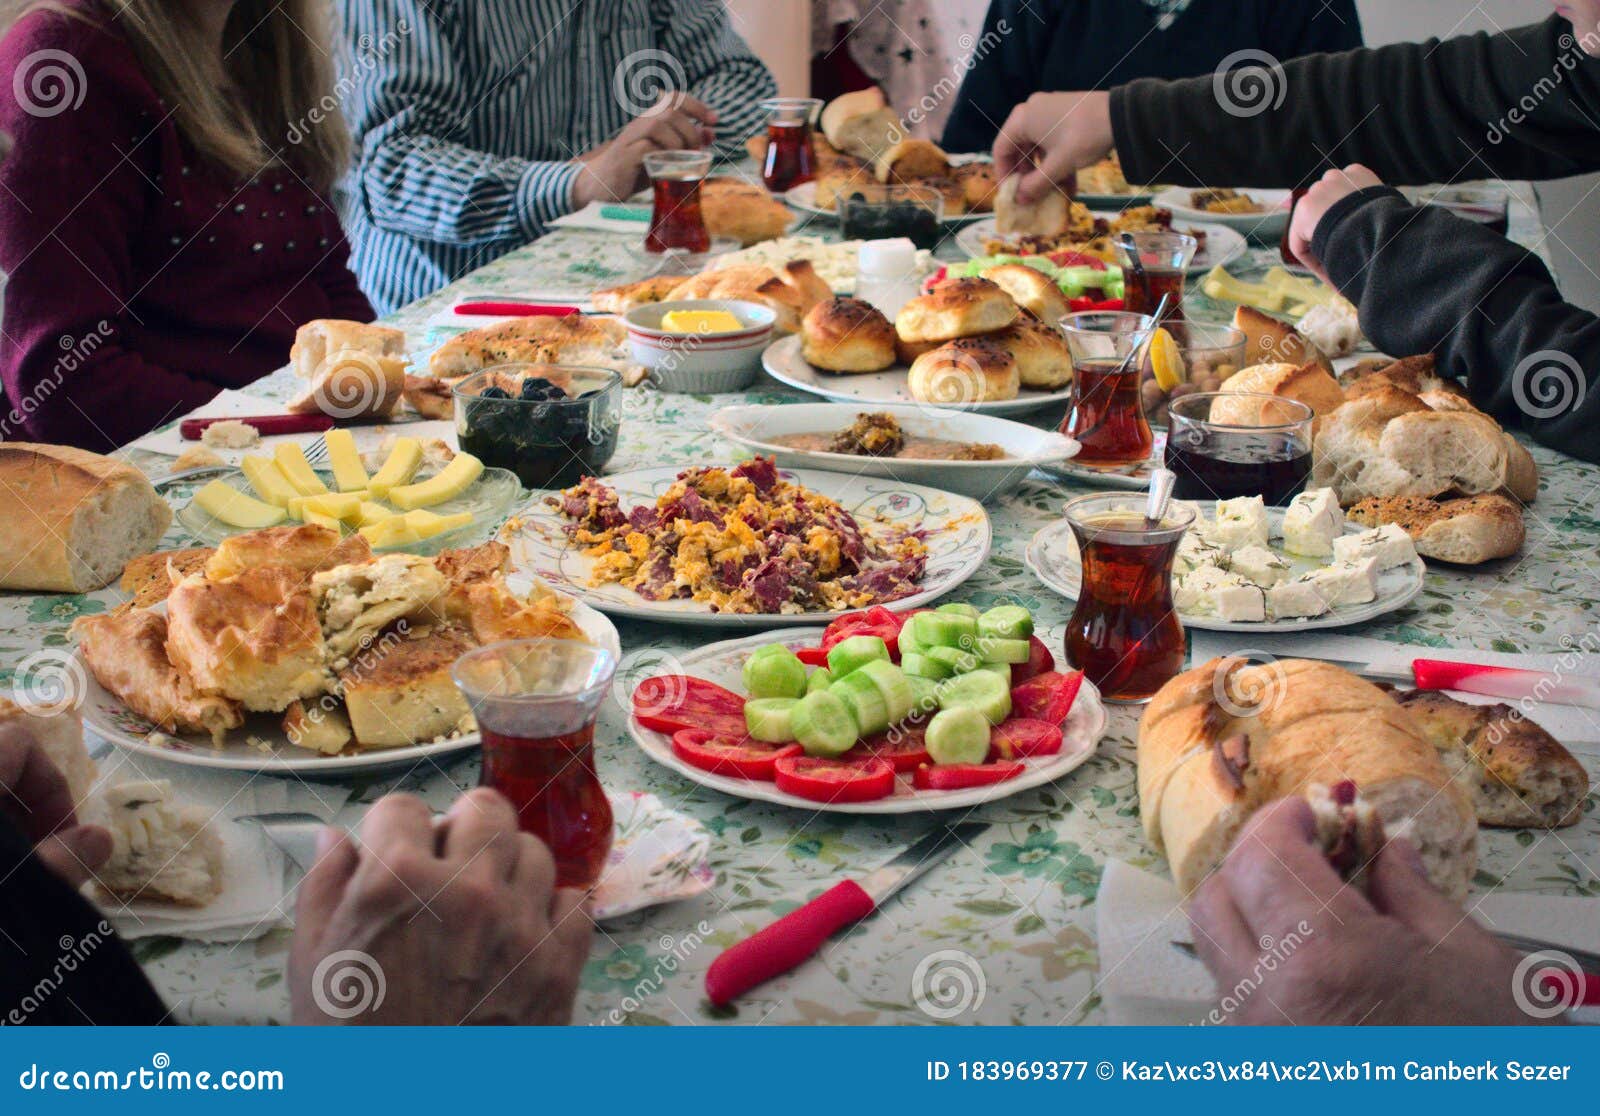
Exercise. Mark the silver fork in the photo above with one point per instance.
(317, 451)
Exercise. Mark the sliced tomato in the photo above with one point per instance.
(835, 780)
(875, 621)
(1039, 662)
(903, 746)
(669, 702)
(1047, 697)
(1022, 737)
(960, 776)
(812, 656)
(739, 757)
(1069, 258)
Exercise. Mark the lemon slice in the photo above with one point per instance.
(1165, 360)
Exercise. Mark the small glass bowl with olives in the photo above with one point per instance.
(550, 424)
(1209, 355)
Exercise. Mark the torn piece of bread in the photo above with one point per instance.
(60, 734)
(1267, 340)
(1049, 217)
(1348, 829)
(127, 654)
(861, 123)
(1466, 530)
(161, 848)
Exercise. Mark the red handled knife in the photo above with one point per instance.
(1508, 683)
(799, 934)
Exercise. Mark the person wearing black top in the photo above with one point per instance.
(1524, 103)
(1041, 45)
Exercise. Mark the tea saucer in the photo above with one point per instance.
(1131, 477)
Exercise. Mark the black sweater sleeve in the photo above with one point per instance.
(1425, 280)
(1522, 104)
(1003, 75)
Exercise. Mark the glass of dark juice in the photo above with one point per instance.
(1163, 260)
(1107, 418)
(676, 223)
(1227, 444)
(536, 701)
(1124, 633)
(789, 160)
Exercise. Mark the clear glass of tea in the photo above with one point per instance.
(1124, 633)
(1107, 418)
(789, 160)
(536, 701)
(676, 223)
(1224, 445)
(1163, 266)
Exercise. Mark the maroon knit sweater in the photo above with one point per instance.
(139, 281)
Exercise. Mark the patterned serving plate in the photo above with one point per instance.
(956, 531)
(1053, 558)
(723, 663)
(657, 856)
(804, 198)
(1222, 245)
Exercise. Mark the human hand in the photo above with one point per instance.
(615, 169)
(1290, 942)
(35, 796)
(1051, 135)
(459, 923)
(1314, 205)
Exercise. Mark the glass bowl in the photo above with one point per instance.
(547, 443)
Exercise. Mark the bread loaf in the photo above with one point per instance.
(73, 518)
(861, 124)
(1048, 217)
(1467, 530)
(1270, 341)
(910, 160)
(1306, 383)
(1222, 740)
(352, 370)
(955, 308)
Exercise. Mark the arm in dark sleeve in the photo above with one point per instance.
(1293, 30)
(1414, 112)
(1425, 280)
(345, 298)
(1006, 69)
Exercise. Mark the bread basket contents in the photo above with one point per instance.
(742, 540)
(350, 370)
(578, 339)
(738, 210)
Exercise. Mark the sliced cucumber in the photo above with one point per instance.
(1002, 669)
(892, 684)
(770, 719)
(982, 690)
(959, 608)
(820, 679)
(959, 735)
(924, 666)
(1003, 650)
(1006, 622)
(959, 661)
(823, 724)
(908, 641)
(774, 672)
(925, 695)
(947, 629)
(850, 654)
(861, 694)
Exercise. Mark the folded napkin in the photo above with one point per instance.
(631, 218)
(227, 404)
(1145, 981)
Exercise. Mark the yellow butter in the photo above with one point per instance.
(699, 321)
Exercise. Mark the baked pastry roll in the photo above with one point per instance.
(971, 370)
(1031, 289)
(1043, 359)
(127, 654)
(847, 335)
(955, 308)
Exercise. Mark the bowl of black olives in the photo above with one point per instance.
(550, 424)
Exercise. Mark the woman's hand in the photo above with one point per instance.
(35, 796)
(1049, 136)
(1310, 209)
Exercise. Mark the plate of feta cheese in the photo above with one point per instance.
(1246, 567)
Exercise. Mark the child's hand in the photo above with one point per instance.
(1310, 210)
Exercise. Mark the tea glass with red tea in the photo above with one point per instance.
(1263, 448)
(536, 701)
(676, 223)
(1107, 419)
(789, 159)
(1161, 268)
(1124, 633)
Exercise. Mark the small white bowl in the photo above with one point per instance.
(700, 363)
(1265, 227)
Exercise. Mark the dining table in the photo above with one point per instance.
(1018, 901)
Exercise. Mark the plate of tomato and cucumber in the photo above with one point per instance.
(879, 713)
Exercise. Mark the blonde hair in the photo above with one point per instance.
(251, 107)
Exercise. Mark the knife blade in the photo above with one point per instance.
(1509, 683)
(293, 832)
(798, 935)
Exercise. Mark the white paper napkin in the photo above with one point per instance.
(589, 217)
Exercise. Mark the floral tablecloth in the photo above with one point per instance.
(1013, 914)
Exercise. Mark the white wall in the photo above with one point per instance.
(1571, 206)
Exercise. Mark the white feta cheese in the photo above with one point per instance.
(1348, 583)
(1241, 602)
(1240, 522)
(1195, 551)
(1311, 523)
(1258, 566)
(1298, 598)
(1196, 590)
(1389, 545)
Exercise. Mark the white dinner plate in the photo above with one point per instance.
(1053, 558)
(723, 663)
(753, 426)
(1223, 245)
(272, 754)
(1133, 478)
(1268, 225)
(784, 363)
(956, 532)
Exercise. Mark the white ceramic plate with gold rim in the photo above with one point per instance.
(1223, 245)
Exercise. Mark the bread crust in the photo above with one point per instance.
(1307, 383)
(742, 210)
(1267, 340)
(911, 160)
(127, 654)
(954, 309)
(575, 339)
(979, 184)
(1467, 530)
(149, 578)
(1043, 359)
(969, 370)
(847, 335)
(1030, 289)
(1050, 217)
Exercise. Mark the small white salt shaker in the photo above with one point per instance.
(886, 274)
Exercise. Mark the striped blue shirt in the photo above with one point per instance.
(467, 113)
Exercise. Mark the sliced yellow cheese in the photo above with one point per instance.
(428, 524)
(222, 501)
(370, 513)
(321, 520)
(298, 470)
(348, 472)
(335, 505)
(447, 484)
(394, 531)
(403, 462)
(268, 480)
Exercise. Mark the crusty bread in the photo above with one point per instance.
(127, 654)
(161, 848)
(1522, 472)
(861, 124)
(847, 335)
(400, 691)
(1225, 738)
(1043, 359)
(73, 518)
(1466, 530)
(317, 341)
(306, 547)
(1049, 217)
(1514, 772)
(1267, 340)
(646, 292)
(910, 160)
(149, 578)
(970, 370)
(951, 192)
(1031, 289)
(955, 308)
(742, 210)
(575, 339)
(351, 370)
(59, 732)
(979, 185)
(1416, 374)
(430, 397)
(1241, 404)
